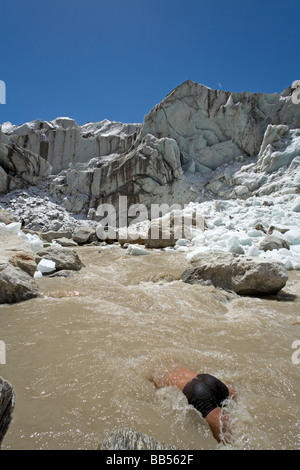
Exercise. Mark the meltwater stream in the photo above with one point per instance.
(80, 357)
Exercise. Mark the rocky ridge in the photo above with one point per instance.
(196, 143)
(235, 157)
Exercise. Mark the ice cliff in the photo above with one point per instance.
(196, 144)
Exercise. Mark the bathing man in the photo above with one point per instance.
(206, 393)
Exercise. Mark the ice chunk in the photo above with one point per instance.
(233, 245)
(37, 274)
(293, 236)
(14, 227)
(136, 250)
(35, 242)
(296, 205)
(46, 266)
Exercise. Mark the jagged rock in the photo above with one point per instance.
(279, 148)
(213, 127)
(128, 439)
(237, 273)
(62, 142)
(277, 228)
(17, 267)
(24, 261)
(19, 166)
(15, 284)
(273, 243)
(7, 404)
(64, 258)
(178, 154)
(148, 173)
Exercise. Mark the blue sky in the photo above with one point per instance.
(116, 59)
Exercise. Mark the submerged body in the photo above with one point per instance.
(206, 393)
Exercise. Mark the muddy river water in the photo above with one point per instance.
(81, 356)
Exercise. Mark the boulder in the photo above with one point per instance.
(167, 230)
(17, 268)
(83, 235)
(66, 242)
(271, 242)
(64, 258)
(24, 261)
(51, 235)
(15, 284)
(7, 403)
(128, 439)
(236, 273)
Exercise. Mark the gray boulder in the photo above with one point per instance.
(64, 258)
(127, 439)
(7, 403)
(51, 235)
(15, 284)
(237, 273)
(271, 242)
(84, 235)
(66, 242)
(17, 267)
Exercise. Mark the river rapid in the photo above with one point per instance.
(81, 356)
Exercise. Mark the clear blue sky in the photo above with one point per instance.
(116, 59)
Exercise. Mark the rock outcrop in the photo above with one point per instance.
(237, 273)
(64, 258)
(213, 127)
(7, 403)
(148, 173)
(196, 143)
(63, 142)
(17, 268)
(19, 166)
(128, 439)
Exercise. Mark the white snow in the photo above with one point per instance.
(230, 227)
